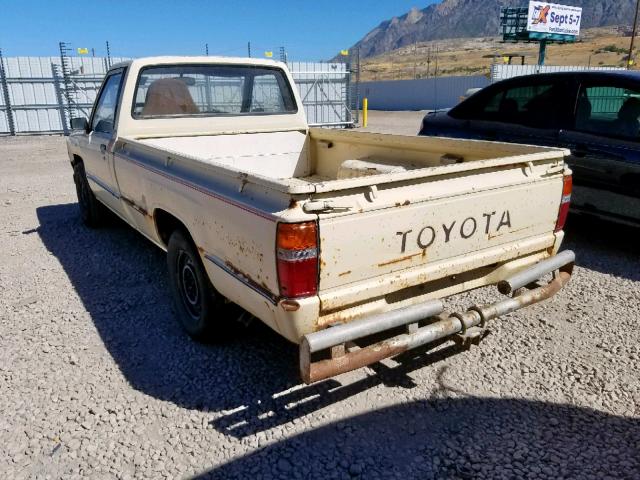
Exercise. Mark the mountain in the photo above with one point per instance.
(475, 18)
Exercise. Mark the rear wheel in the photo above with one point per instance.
(202, 311)
(92, 212)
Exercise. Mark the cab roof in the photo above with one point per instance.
(177, 60)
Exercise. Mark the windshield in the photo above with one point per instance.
(211, 90)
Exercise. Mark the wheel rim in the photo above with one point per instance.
(188, 285)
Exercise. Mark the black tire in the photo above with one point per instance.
(202, 311)
(92, 212)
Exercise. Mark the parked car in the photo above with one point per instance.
(327, 236)
(594, 114)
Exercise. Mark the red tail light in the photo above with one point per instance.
(297, 253)
(565, 201)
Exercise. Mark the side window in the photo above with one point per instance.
(105, 112)
(493, 104)
(481, 105)
(543, 105)
(609, 110)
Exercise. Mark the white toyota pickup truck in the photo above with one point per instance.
(343, 242)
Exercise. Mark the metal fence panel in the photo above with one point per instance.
(36, 91)
(39, 104)
(502, 71)
(325, 92)
(4, 93)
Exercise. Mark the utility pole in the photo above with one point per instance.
(206, 49)
(108, 55)
(542, 52)
(428, 62)
(249, 49)
(7, 98)
(633, 36)
(69, 86)
(435, 73)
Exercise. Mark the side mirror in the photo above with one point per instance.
(79, 123)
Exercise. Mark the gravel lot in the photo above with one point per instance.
(97, 379)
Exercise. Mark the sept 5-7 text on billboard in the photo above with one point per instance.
(555, 19)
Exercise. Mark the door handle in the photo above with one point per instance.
(103, 148)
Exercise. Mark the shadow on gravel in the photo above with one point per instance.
(249, 384)
(464, 438)
(604, 246)
(121, 279)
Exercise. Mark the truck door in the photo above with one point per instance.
(98, 159)
(605, 149)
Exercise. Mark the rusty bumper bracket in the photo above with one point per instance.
(344, 360)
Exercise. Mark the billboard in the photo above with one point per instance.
(554, 19)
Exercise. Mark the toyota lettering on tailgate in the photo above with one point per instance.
(465, 229)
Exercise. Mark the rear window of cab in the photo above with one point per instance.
(211, 90)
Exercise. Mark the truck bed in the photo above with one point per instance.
(325, 160)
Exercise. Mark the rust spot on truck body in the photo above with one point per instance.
(491, 236)
(261, 286)
(136, 207)
(351, 361)
(403, 259)
(293, 203)
(339, 317)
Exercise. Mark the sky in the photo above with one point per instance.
(309, 30)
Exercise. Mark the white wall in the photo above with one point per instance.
(423, 94)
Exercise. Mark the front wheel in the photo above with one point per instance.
(92, 212)
(202, 311)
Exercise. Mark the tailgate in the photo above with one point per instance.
(400, 229)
